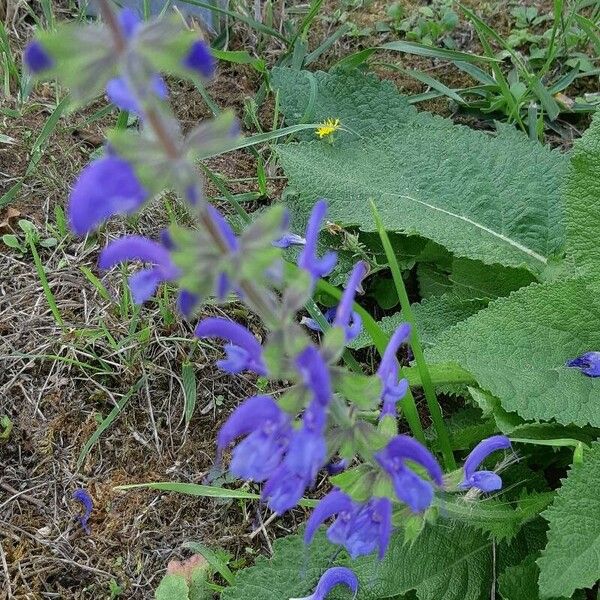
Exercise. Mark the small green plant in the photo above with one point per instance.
(29, 236)
(429, 25)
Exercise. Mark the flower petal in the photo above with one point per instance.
(84, 497)
(186, 302)
(308, 259)
(332, 504)
(36, 58)
(404, 447)
(334, 577)
(486, 481)
(283, 490)
(134, 247)
(200, 59)
(315, 374)
(389, 363)
(344, 312)
(106, 187)
(130, 21)
(224, 228)
(229, 330)
(482, 451)
(144, 283)
(412, 490)
(256, 412)
(588, 364)
(289, 239)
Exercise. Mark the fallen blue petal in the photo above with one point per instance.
(588, 364)
(83, 496)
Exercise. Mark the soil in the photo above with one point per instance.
(58, 382)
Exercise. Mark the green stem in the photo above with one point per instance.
(39, 267)
(434, 408)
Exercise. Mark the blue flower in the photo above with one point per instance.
(36, 58)
(331, 578)
(416, 492)
(266, 430)
(334, 468)
(244, 351)
(360, 528)
(308, 259)
(200, 59)
(393, 389)
(345, 317)
(106, 187)
(307, 450)
(83, 496)
(588, 364)
(144, 283)
(289, 239)
(130, 22)
(121, 95)
(283, 490)
(486, 481)
(315, 374)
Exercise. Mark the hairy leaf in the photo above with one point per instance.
(581, 198)
(571, 560)
(492, 198)
(517, 349)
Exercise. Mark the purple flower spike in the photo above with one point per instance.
(83, 496)
(486, 481)
(36, 58)
(200, 59)
(106, 187)
(143, 284)
(130, 22)
(308, 260)
(121, 95)
(345, 317)
(417, 493)
(393, 390)
(244, 352)
(315, 374)
(588, 364)
(289, 239)
(330, 579)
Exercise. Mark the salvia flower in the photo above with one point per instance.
(486, 481)
(200, 59)
(345, 317)
(307, 449)
(315, 374)
(331, 578)
(36, 58)
(416, 492)
(360, 527)
(393, 389)
(243, 353)
(588, 364)
(266, 430)
(121, 95)
(130, 22)
(106, 187)
(144, 283)
(289, 239)
(84, 497)
(223, 283)
(308, 259)
(284, 489)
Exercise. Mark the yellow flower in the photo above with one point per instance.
(328, 127)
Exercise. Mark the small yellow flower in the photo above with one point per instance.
(328, 127)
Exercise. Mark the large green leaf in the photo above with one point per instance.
(433, 316)
(571, 560)
(518, 346)
(449, 560)
(582, 194)
(492, 198)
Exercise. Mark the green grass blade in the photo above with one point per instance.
(190, 391)
(98, 285)
(39, 267)
(205, 491)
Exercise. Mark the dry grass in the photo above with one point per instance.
(56, 382)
